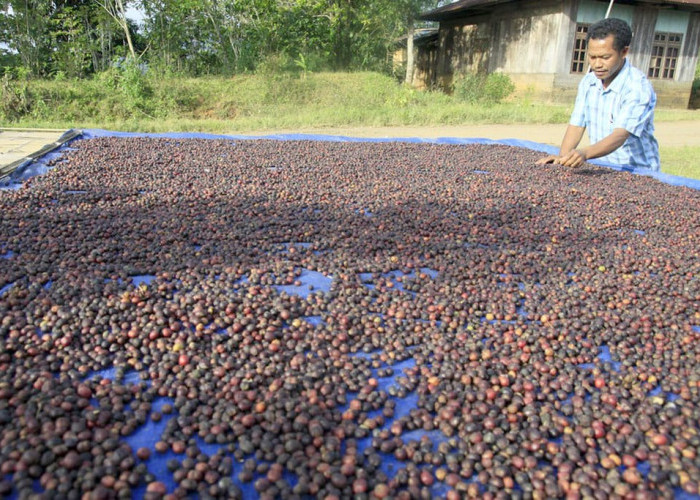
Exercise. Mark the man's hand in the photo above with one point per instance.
(574, 158)
(547, 159)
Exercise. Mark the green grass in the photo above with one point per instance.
(683, 161)
(263, 102)
(271, 102)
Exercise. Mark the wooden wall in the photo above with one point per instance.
(526, 39)
(424, 73)
(532, 41)
(644, 25)
(689, 51)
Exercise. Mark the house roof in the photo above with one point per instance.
(463, 8)
(459, 8)
(421, 36)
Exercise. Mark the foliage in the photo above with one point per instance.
(25, 31)
(137, 89)
(138, 98)
(257, 101)
(695, 95)
(74, 39)
(70, 38)
(498, 86)
(695, 90)
(133, 85)
(468, 87)
(481, 88)
(79, 38)
(15, 100)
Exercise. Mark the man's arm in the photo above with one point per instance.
(576, 157)
(572, 138)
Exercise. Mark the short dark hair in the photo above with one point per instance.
(619, 29)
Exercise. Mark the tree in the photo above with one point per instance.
(367, 30)
(71, 37)
(77, 37)
(23, 24)
(69, 30)
(241, 28)
(179, 35)
(116, 9)
(410, 33)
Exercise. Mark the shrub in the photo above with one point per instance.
(498, 86)
(481, 88)
(468, 87)
(276, 64)
(129, 79)
(695, 94)
(16, 101)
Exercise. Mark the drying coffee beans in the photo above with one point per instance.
(298, 319)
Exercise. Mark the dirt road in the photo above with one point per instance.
(19, 143)
(678, 133)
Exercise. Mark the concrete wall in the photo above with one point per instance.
(546, 87)
(462, 49)
(561, 89)
(672, 93)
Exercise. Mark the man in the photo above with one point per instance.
(615, 102)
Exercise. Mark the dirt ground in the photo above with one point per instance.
(679, 133)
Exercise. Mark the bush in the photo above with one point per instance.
(16, 100)
(695, 94)
(276, 64)
(481, 88)
(129, 79)
(498, 86)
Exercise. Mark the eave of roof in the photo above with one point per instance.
(456, 9)
(463, 8)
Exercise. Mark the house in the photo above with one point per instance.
(541, 44)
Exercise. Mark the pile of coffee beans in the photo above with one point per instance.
(302, 319)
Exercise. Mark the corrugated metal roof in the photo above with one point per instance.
(474, 7)
(456, 8)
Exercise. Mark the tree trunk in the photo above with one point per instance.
(217, 29)
(121, 12)
(115, 8)
(409, 54)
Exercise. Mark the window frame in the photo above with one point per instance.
(665, 52)
(579, 54)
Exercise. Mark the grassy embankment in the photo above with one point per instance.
(275, 102)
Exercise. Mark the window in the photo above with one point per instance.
(578, 59)
(664, 55)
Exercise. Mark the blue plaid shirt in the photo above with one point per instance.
(627, 103)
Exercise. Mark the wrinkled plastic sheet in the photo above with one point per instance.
(150, 432)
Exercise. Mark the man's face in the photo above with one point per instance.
(604, 59)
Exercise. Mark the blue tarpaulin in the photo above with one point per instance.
(147, 435)
(39, 166)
